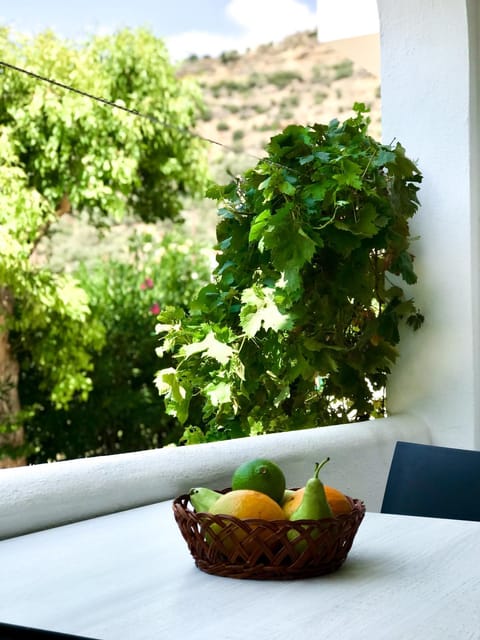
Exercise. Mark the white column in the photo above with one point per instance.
(473, 14)
(427, 104)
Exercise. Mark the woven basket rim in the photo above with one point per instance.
(356, 503)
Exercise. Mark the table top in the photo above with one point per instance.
(129, 575)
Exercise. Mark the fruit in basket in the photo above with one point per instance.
(314, 504)
(246, 504)
(291, 501)
(338, 501)
(260, 475)
(227, 546)
(203, 498)
(288, 496)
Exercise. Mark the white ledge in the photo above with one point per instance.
(47, 495)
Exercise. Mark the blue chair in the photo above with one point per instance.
(433, 481)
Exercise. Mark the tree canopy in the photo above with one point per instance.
(64, 152)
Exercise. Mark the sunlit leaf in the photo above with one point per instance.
(211, 347)
(260, 311)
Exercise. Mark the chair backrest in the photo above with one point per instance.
(433, 481)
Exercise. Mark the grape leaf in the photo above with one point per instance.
(219, 393)
(212, 347)
(260, 310)
(177, 397)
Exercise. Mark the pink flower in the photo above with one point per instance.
(155, 309)
(147, 284)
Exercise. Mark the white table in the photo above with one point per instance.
(130, 576)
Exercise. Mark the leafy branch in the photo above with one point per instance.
(306, 304)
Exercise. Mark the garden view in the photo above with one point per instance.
(125, 324)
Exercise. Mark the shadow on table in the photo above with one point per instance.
(15, 632)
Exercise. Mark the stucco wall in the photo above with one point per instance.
(426, 105)
(33, 498)
(473, 8)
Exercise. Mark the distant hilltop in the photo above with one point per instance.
(251, 96)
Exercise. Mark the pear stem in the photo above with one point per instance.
(319, 465)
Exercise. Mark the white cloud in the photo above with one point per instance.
(270, 20)
(346, 19)
(259, 22)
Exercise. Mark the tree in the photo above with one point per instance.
(64, 152)
(300, 325)
(123, 411)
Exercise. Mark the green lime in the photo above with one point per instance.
(260, 475)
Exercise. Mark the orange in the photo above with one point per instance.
(337, 500)
(243, 504)
(246, 504)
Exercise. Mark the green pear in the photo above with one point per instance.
(202, 498)
(314, 506)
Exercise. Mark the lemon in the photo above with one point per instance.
(260, 475)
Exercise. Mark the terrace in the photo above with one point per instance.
(430, 102)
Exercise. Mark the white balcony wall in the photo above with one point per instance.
(429, 103)
(46, 495)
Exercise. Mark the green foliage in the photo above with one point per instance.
(107, 161)
(290, 101)
(301, 324)
(227, 57)
(61, 150)
(51, 311)
(320, 97)
(238, 134)
(320, 75)
(122, 411)
(282, 79)
(230, 86)
(343, 69)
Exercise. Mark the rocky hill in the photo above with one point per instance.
(251, 97)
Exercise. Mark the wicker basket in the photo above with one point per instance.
(267, 550)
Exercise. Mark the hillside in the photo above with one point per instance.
(248, 99)
(251, 97)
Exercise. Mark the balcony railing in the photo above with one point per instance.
(47, 495)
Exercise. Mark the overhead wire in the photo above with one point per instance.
(117, 105)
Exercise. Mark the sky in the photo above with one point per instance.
(188, 27)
